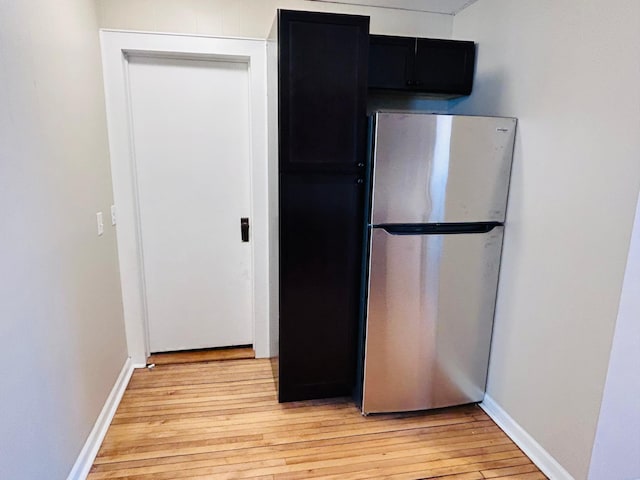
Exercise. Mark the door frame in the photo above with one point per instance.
(116, 47)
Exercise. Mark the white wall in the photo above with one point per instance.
(61, 325)
(616, 451)
(569, 70)
(253, 18)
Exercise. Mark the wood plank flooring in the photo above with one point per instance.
(221, 420)
(192, 356)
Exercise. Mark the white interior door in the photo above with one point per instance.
(190, 122)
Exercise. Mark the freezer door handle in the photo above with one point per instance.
(438, 228)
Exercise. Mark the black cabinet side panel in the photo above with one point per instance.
(323, 82)
(320, 263)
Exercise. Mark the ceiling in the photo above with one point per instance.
(449, 7)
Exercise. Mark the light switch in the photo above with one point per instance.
(100, 223)
(113, 215)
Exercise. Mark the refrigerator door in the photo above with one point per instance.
(441, 168)
(430, 315)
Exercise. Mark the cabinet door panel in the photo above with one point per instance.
(444, 66)
(320, 264)
(391, 62)
(323, 68)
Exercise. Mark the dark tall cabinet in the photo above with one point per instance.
(322, 83)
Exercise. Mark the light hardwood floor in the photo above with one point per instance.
(191, 356)
(221, 420)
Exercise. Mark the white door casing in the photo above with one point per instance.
(118, 48)
(190, 126)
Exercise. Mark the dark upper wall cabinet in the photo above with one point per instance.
(444, 66)
(391, 62)
(322, 82)
(439, 67)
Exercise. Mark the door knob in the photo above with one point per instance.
(244, 229)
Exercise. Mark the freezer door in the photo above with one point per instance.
(429, 320)
(441, 168)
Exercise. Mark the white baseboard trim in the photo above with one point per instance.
(538, 455)
(90, 449)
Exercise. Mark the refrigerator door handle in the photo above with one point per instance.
(438, 228)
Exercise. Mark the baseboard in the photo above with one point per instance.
(90, 449)
(538, 455)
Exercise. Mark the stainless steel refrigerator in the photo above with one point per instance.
(439, 190)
